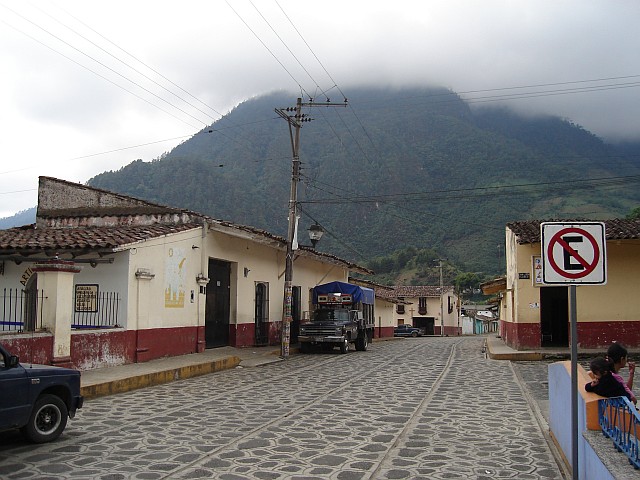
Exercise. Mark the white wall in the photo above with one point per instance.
(266, 264)
(174, 264)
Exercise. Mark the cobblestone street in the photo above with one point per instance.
(432, 408)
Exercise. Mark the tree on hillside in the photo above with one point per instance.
(634, 214)
(466, 281)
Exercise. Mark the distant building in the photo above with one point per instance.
(431, 308)
(534, 315)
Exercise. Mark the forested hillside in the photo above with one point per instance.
(394, 169)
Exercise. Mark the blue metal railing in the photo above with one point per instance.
(620, 421)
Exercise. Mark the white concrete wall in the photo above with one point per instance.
(266, 264)
(433, 310)
(174, 265)
(385, 317)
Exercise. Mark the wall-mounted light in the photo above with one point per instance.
(194, 247)
(246, 272)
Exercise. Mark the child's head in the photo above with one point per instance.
(617, 354)
(600, 367)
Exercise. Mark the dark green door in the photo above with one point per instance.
(216, 316)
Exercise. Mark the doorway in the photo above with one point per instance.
(216, 318)
(261, 314)
(554, 316)
(296, 308)
(427, 324)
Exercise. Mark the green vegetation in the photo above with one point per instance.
(634, 214)
(397, 170)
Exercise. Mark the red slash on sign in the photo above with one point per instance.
(570, 269)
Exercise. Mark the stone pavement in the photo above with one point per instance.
(425, 408)
(123, 378)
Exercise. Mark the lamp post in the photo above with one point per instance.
(315, 234)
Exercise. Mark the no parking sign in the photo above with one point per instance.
(573, 253)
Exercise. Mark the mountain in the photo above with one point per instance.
(24, 217)
(395, 168)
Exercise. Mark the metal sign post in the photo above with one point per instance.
(573, 254)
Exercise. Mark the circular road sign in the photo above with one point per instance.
(573, 253)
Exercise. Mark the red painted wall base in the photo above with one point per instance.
(37, 348)
(598, 335)
(603, 334)
(520, 336)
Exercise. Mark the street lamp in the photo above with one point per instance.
(315, 234)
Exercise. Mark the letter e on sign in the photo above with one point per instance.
(573, 253)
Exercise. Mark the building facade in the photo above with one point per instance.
(104, 279)
(534, 315)
(433, 309)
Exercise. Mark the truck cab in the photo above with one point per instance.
(42, 398)
(343, 315)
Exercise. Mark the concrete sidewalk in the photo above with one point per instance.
(123, 378)
(497, 349)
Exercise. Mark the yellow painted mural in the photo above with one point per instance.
(175, 275)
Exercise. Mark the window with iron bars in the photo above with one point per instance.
(400, 306)
(21, 310)
(103, 312)
(422, 305)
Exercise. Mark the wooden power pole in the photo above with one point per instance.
(295, 118)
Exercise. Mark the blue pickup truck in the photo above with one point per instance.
(407, 331)
(37, 399)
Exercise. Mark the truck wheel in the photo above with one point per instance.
(362, 342)
(344, 346)
(48, 419)
(414, 334)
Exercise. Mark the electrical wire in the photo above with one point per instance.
(105, 66)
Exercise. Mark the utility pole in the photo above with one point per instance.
(441, 300)
(294, 121)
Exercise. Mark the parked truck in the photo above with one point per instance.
(342, 314)
(37, 399)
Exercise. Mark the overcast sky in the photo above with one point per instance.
(90, 86)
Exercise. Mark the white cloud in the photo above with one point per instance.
(55, 110)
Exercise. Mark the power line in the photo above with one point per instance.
(267, 48)
(96, 73)
(284, 43)
(145, 64)
(466, 192)
(125, 63)
(103, 64)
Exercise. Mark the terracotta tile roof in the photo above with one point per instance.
(416, 291)
(28, 239)
(615, 229)
(73, 227)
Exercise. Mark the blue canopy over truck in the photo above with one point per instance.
(343, 314)
(359, 294)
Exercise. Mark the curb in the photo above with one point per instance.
(522, 356)
(157, 378)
